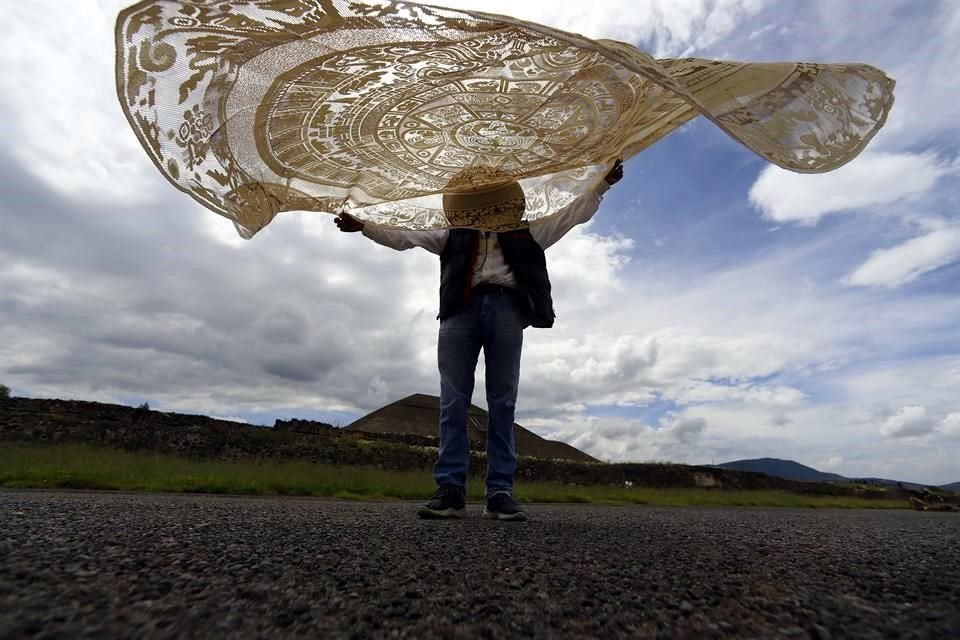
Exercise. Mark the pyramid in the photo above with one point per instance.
(419, 414)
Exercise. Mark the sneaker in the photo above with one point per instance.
(447, 502)
(502, 506)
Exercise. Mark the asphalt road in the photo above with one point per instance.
(120, 565)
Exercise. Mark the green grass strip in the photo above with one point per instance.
(74, 466)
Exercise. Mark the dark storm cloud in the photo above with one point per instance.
(295, 371)
(43, 228)
(688, 430)
(141, 299)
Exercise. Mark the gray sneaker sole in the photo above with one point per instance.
(519, 516)
(440, 514)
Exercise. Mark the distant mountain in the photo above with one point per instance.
(795, 471)
(782, 469)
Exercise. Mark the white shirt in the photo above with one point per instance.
(490, 266)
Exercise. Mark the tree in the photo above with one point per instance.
(4, 392)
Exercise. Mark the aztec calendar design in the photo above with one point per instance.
(256, 107)
(518, 120)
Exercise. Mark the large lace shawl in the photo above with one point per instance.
(261, 106)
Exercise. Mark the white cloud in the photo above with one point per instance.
(950, 427)
(605, 257)
(685, 429)
(231, 419)
(780, 419)
(926, 109)
(827, 437)
(908, 422)
(831, 463)
(698, 391)
(675, 438)
(59, 88)
(930, 382)
(684, 366)
(871, 181)
(668, 28)
(772, 362)
(758, 33)
(908, 261)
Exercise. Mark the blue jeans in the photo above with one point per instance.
(491, 322)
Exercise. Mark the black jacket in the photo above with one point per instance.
(521, 252)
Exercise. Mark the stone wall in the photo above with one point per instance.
(303, 426)
(51, 421)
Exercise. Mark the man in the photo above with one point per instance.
(492, 286)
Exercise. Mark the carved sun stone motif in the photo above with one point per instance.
(322, 124)
(255, 108)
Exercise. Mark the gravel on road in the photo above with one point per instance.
(124, 565)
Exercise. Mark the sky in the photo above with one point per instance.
(716, 307)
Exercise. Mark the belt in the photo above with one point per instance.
(487, 289)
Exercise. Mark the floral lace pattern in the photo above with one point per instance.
(255, 107)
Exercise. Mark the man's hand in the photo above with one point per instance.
(347, 223)
(615, 174)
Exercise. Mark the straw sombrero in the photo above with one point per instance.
(259, 107)
(484, 197)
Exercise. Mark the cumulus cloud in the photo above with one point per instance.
(697, 391)
(917, 421)
(781, 419)
(871, 181)
(830, 464)
(676, 437)
(908, 422)
(907, 261)
(685, 429)
(71, 132)
(665, 27)
(950, 427)
(926, 109)
(606, 255)
(928, 382)
(128, 301)
(684, 366)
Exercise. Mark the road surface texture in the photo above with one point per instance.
(122, 565)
